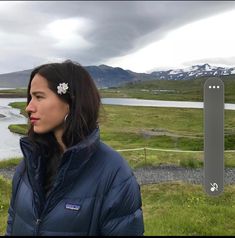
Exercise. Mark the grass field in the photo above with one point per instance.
(19, 92)
(180, 209)
(179, 90)
(5, 191)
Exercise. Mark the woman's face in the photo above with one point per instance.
(46, 110)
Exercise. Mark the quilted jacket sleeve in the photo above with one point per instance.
(9, 220)
(15, 183)
(121, 211)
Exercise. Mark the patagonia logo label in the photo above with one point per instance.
(74, 207)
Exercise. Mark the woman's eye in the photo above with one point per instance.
(39, 97)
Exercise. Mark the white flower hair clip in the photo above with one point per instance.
(62, 88)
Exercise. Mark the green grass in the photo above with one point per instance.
(178, 208)
(180, 90)
(18, 92)
(137, 159)
(9, 163)
(18, 128)
(141, 158)
(5, 193)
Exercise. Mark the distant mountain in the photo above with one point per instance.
(106, 76)
(193, 72)
(15, 80)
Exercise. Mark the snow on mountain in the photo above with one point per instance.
(176, 71)
(194, 72)
(207, 67)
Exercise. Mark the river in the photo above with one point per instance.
(158, 103)
(9, 142)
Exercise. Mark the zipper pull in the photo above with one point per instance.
(38, 221)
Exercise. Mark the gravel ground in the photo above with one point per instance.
(163, 173)
(7, 173)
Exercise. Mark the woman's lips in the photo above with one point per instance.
(33, 119)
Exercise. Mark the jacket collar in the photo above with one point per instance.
(89, 144)
(73, 158)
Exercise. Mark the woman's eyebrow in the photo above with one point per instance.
(37, 92)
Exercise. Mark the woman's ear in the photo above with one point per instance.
(68, 109)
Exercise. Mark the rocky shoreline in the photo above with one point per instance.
(162, 173)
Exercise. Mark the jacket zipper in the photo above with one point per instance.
(38, 221)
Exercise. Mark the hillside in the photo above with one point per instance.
(15, 80)
(104, 76)
(107, 76)
(173, 90)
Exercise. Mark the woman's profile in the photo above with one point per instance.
(70, 182)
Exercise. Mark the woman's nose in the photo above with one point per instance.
(30, 107)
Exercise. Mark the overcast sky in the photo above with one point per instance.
(138, 35)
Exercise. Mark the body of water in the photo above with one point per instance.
(9, 142)
(159, 103)
(151, 103)
(6, 88)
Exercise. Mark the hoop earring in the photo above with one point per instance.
(65, 118)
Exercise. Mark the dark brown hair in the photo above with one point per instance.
(84, 103)
(83, 98)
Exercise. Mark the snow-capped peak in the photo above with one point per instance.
(194, 72)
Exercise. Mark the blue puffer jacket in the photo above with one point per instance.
(95, 193)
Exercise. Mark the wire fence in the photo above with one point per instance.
(145, 149)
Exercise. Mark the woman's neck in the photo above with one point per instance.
(58, 135)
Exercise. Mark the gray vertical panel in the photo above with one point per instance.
(214, 136)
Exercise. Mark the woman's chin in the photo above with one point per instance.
(39, 130)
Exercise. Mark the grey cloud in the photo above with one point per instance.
(118, 28)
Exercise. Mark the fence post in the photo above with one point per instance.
(145, 156)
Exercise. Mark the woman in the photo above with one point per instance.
(69, 182)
